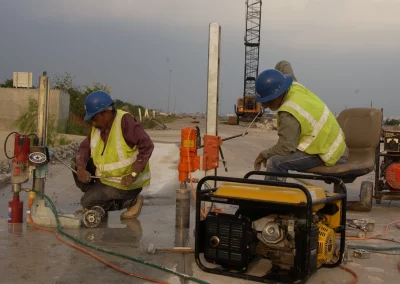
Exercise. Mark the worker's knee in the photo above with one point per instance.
(88, 200)
(85, 202)
(274, 164)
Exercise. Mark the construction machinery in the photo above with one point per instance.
(387, 172)
(291, 225)
(247, 108)
(19, 173)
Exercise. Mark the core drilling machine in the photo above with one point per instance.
(24, 161)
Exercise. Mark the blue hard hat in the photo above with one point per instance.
(96, 102)
(270, 84)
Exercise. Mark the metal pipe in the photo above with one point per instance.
(43, 110)
(152, 249)
(182, 213)
(46, 112)
(42, 122)
(16, 188)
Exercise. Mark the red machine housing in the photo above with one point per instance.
(20, 174)
(15, 210)
(392, 175)
(190, 161)
(211, 152)
(21, 154)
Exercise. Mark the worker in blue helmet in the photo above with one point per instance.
(117, 152)
(309, 135)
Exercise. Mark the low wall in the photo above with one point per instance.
(13, 101)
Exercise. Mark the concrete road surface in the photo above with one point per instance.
(31, 256)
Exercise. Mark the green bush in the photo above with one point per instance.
(27, 122)
(76, 129)
(391, 122)
(63, 140)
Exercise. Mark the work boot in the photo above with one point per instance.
(133, 211)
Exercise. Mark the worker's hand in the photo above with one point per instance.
(259, 160)
(83, 175)
(128, 180)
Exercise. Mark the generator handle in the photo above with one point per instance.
(328, 179)
(251, 181)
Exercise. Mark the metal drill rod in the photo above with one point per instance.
(223, 159)
(152, 249)
(260, 112)
(234, 136)
(245, 132)
(71, 167)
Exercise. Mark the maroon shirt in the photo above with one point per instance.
(134, 135)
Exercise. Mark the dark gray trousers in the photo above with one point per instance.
(98, 194)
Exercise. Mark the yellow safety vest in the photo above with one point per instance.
(320, 132)
(115, 159)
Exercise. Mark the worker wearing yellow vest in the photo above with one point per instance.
(309, 134)
(120, 150)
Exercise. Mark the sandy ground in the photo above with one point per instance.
(31, 256)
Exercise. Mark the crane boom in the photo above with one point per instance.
(247, 106)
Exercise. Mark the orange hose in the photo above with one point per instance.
(376, 235)
(355, 280)
(90, 253)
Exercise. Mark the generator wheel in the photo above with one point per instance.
(91, 218)
(366, 193)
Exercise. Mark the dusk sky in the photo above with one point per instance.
(345, 51)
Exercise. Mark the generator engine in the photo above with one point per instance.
(234, 241)
(280, 237)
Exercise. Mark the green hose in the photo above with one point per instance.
(372, 248)
(59, 229)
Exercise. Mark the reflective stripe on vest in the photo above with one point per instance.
(339, 139)
(317, 125)
(123, 162)
(114, 159)
(320, 132)
(141, 178)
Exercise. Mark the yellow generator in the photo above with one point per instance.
(270, 231)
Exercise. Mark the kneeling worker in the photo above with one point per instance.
(309, 134)
(120, 150)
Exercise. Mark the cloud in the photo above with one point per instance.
(335, 47)
(336, 26)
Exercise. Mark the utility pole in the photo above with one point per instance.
(174, 103)
(220, 98)
(169, 87)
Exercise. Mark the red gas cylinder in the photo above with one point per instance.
(15, 210)
(392, 175)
